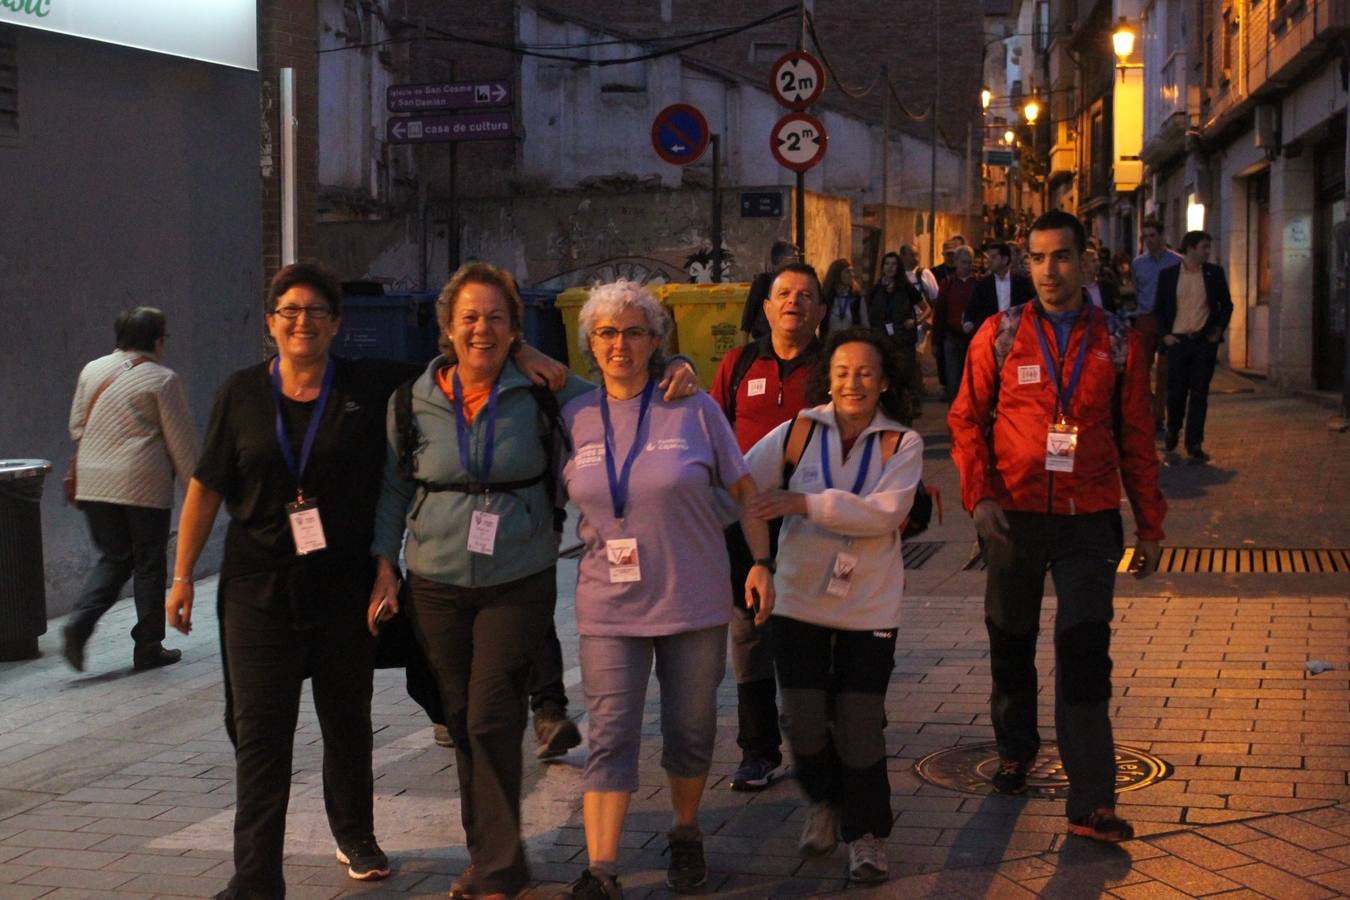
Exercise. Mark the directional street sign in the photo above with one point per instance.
(998, 157)
(448, 95)
(484, 126)
(797, 79)
(680, 134)
(798, 141)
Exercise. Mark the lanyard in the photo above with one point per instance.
(1064, 393)
(462, 429)
(311, 432)
(862, 472)
(618, 482)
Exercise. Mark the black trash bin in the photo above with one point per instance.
(23, 593)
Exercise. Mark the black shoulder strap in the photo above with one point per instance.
(798, 436)
(405, 430)
(553, 436)
(749, 353)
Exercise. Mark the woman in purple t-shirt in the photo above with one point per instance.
(650, 478)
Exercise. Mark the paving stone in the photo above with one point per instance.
(1184, 876)
(24, 891)
(1289, 857)
(70, 859)
(1149, 890)
(1200, 850)
(1304, 834)
(1275, 883)
(92, 879)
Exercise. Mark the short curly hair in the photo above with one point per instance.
(896, 400)
(614, 297)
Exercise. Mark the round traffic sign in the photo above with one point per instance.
(680, 134)
(797, 79)
(798, 141)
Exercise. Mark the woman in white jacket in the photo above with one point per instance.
(843, 476)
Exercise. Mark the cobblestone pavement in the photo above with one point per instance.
(120, 784)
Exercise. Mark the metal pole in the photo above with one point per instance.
(717, 209)
(1342, 271)
(885, 164)
(286, 87)
(801, 176)
(932, 142)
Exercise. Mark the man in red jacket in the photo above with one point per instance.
(1042, 480)
(759, 386)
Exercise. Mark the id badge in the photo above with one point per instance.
(306, 527)
(841, 574)
(1060, 445)
(483, 532)
(890, 328)
(622, 555)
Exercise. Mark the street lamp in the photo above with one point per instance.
(1009, 137)
(986, 97)
(1031, 111)
(1122, 40)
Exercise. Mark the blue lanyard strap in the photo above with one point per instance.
(311, 432)
(618, 482)
(1064, 393)
(825, 461)
(462, 430)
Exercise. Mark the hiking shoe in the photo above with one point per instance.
(152, 656)
(72, 648)
(461, 887)
(755, 774)
(1011, 777)
(1102, 825)
(555, 732)
(820, 834)
(365, 861)
(1197, 455)
(867, 860)
(687, 871)
(1171, 440)
(441, 735)
(591, 886)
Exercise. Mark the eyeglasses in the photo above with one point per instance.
(317, 313)
(610, 335)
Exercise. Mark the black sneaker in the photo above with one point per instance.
(755, 775)
(73, 648)
(591, 886)
(555, 732)
(1102, 825)
(1011, 777)
(1197, 455)
(365, 861)
(687, 871)
(1171, 440)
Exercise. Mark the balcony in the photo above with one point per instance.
(1165, 111)
(1063, 157)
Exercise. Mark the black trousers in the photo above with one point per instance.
(1190, 368)
(279, 629)
(1082, 553)
(834, 712)
(752, 659)
(132, 542)
(479, 642)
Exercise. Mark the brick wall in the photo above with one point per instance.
(287, 37)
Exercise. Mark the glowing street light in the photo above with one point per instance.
(1009, 137)
(1122, 40)
(1031, 111)
(986, 97)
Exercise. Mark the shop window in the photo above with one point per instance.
(9, 84)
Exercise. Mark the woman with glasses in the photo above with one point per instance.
(467, 477)
(650, 478)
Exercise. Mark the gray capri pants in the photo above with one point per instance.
(614, 676)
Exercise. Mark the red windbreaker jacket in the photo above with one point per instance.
(1115, 436)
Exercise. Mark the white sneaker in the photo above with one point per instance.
(820, 834)
(867, 860)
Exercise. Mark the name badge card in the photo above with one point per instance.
(841, 574)
(756, 387)
(890, 328)
(483, 532)
(622, 554)
(306, 528)
(1060, 445)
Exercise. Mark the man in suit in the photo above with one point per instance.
(999, 289)
(1101, 290)
(1193, 309)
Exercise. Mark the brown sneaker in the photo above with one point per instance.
(1011, 777)
(1102, 824)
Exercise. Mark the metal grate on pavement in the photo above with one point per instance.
(1230, 561)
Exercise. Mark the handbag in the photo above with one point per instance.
(68, 484)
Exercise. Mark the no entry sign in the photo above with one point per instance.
(680, 134)
(798, 141)
(797, 79)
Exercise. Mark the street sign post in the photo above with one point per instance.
(448, 95)
(761, 204)
(797, 80)
(798, 141)
(680, 134)
(484, 126)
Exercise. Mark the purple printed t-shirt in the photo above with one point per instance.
(689, 456)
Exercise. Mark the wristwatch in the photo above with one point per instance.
(768, 563)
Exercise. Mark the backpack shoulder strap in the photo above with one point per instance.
(553, 436)
(798, 436)
(744, 360)
(1008, 324)
(890, 442)
(405, 431)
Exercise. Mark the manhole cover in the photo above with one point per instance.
(970, 767)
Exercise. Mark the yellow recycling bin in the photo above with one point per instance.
(707, 322)
(569, 303)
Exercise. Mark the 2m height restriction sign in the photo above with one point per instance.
(798, 141)
(797, 79)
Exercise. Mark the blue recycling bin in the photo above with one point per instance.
(391, 326)
(544, 324)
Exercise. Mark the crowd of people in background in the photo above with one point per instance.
(360, 490)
